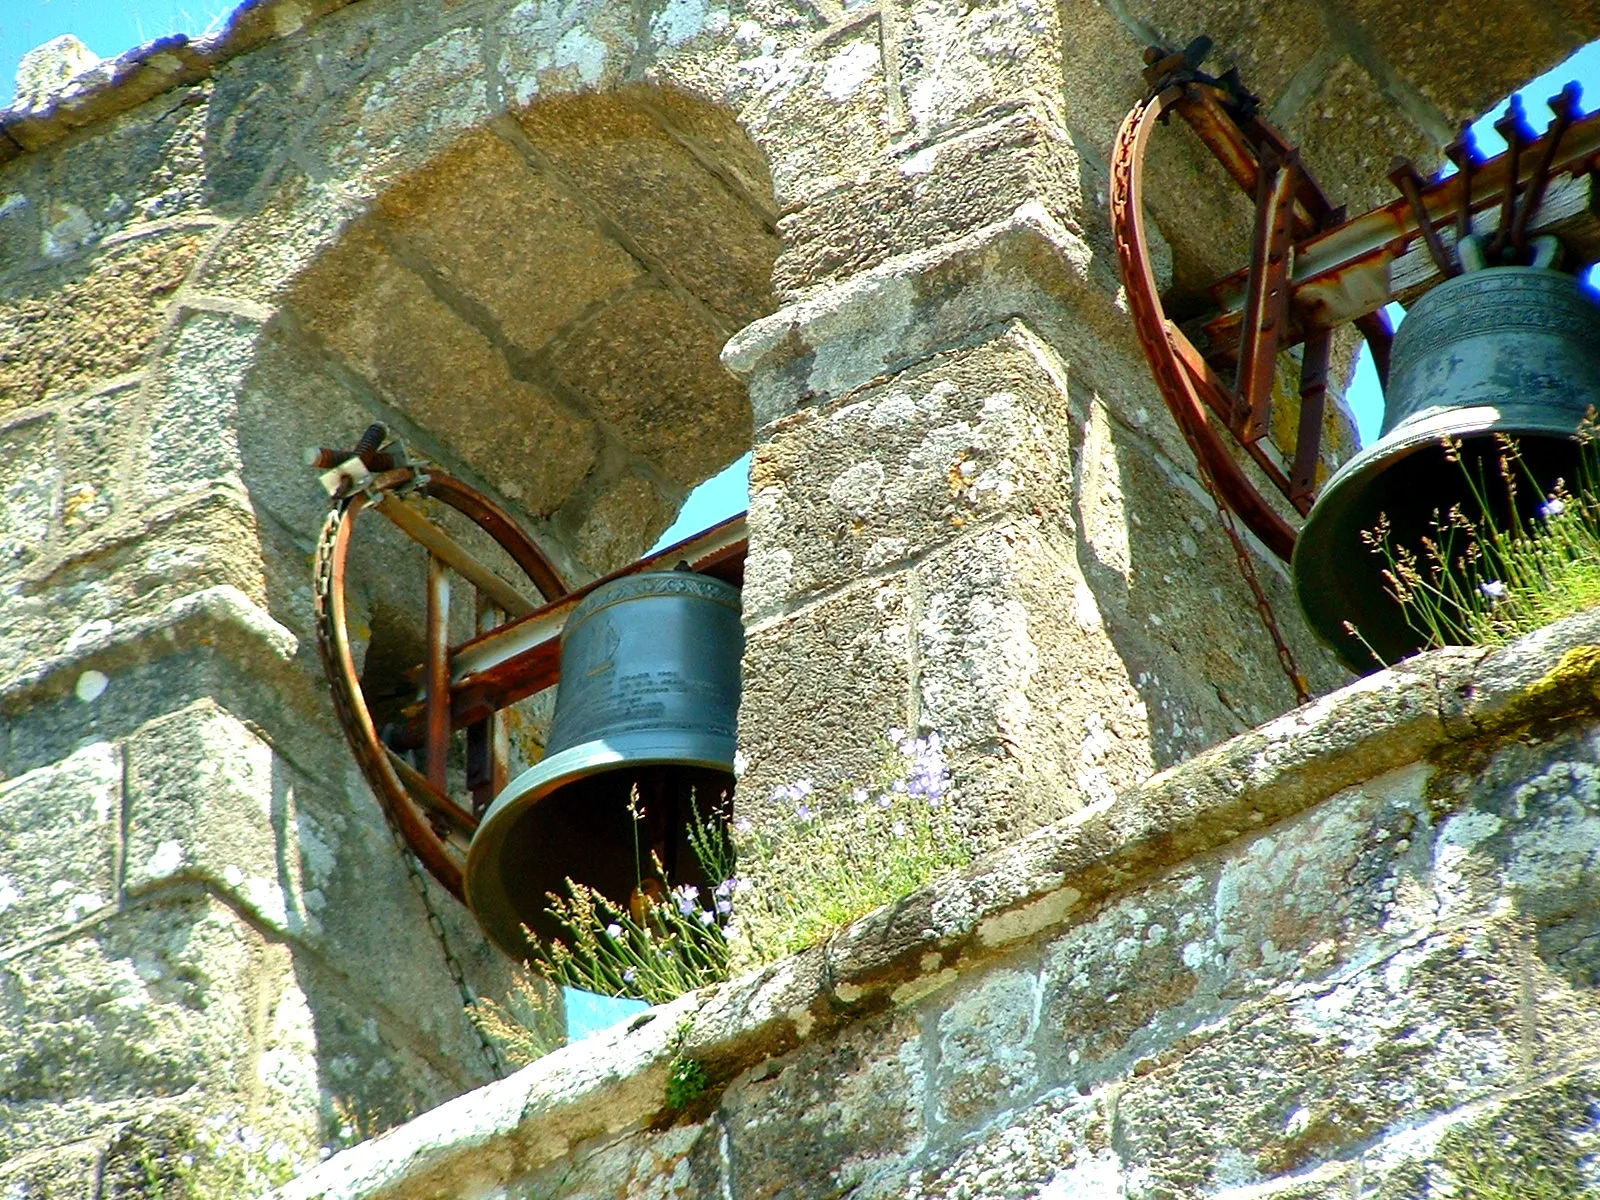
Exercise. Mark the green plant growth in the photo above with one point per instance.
(1509, 1164)
(527, 1026)
(830, 863)
(1486, 580)
(220, 1160)
(794, 884)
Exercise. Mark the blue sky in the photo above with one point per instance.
(108, 27)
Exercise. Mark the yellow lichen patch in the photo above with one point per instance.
(1574, 682)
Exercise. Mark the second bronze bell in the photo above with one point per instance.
(1493, 356)
(643, 734)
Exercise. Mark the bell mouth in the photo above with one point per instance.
(1411, 481)
(594, 813)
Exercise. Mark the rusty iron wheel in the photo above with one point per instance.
(436, 827)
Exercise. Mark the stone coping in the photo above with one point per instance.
(119, 84)
(1424, 709)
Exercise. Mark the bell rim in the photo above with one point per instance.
(1402, 442)
(642, 748)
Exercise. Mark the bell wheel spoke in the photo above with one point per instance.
(412, 763)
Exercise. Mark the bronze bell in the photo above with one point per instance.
(643, 737)
(1513, 351)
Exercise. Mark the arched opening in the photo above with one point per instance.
(543, 306)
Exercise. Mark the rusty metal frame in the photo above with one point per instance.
(464, 687)
(1311, 269)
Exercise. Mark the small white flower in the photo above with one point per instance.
(1494, 590)
(613, 931)
(1554, 508)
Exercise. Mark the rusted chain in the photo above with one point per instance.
(322, 595)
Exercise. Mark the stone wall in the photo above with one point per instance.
(519, 233)
(1352, 953)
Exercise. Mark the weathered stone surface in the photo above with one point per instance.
(919, 199)
(959, 61)
(154, 172)
(72, 1173)
(46, 69)
(986, 1059)
(1057, 1146)
(905, 466)
(478, 210)
(195, 434)
(830, 1117)
(1512, 42)
(128, 574)
(563, 49)
(151, 1003)
(1271, 43)
(253, 103)
(93, 440)
(29, 475)
(202, 795)
(1347, 131)
(621, 523)
(1424, 1030)
(822, 115)
(407, 111)
(260, 256)
(648, 367)
(652, 186)
(443, 373)
(1252, 1020)
(59, 841)
(839, 669)
(92, 322)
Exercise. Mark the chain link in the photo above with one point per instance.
(322, 592)
(1247, 568)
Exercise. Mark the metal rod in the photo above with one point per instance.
(1342, 274)
(438, 673)
(1565, 106)
(441, 545)
(1462, 152)
(1267, 305)
(1404, 176)
(439, 806)
(1313, 397)
(1511, 128)
(523, 657)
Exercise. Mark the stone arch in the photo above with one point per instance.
(545, 302)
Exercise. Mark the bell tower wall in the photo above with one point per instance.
(521, 234)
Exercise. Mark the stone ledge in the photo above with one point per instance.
(119, 84)
(910, 307)
(1418, 711)
(223, 617)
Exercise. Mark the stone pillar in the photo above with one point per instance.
(970, 511)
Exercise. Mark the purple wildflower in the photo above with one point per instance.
(1494, 590)
(687, 896)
